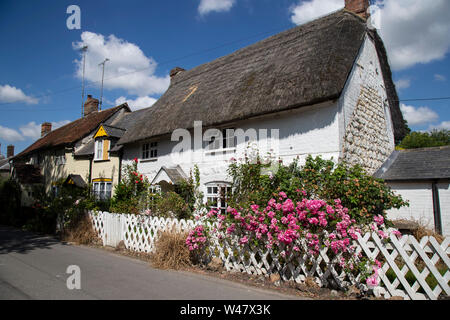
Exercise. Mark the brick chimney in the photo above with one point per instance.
(90, 106)
(46, 127)
(175, 71)
(10, 151)
(360, 7)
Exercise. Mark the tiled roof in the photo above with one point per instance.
(71, 132)
(417, 164)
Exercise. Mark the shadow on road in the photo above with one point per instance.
(14, 240)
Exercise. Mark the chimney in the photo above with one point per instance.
(175, 71)
(91, 105)
(46, 127)
(10, 151)
(360, 7)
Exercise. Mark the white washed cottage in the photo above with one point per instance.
(322, 88)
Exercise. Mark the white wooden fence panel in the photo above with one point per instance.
(402, 256)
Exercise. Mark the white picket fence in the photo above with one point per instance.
(402, 259)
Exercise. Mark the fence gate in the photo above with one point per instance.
(113, 229)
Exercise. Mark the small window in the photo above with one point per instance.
(217, 196)
(102, 190)
(150, 150)
(99, 149)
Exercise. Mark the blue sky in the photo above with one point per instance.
(40, 61)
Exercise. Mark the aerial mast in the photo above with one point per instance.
(101, 90)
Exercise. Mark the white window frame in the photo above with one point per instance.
(227, 145)
(98, 155)
(102, 190)
(217, 193)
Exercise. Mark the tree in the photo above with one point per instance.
(435, 138)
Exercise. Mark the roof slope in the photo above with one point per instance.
(417, 164)
(301, 66)
(72, 131)
(116, 130)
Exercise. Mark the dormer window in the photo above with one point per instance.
(101, 149)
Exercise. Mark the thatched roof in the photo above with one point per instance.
(302, 66)
(71, 132)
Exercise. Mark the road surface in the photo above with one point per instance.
(34, 267)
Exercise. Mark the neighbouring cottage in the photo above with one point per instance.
(323, 88)
(54, 155)
(105, 155)
(421, 176)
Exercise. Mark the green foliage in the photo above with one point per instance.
(435, 138)
(172, 204)
(365, 196)
(131, 194)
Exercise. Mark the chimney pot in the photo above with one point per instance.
(360, 7)
(10, 151)
(46, 127)
(91, 105)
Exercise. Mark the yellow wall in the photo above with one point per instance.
(108, 169)
(53, 173)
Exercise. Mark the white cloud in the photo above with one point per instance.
(439, 77)
(9, 94)
(443, 125)
(125, 59)
(31, 130)
(402, 84)
(9, 134)
(138, 103)
(418, 116)
(309, 10)
(207, 6)
(414, 31)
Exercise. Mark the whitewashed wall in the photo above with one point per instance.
(420, 197)
(309, 130)
(444, 200)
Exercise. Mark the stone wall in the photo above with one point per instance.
(366, 141)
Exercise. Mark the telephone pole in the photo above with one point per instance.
(83, 50)
(101, 90)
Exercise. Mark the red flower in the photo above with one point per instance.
(136, 160)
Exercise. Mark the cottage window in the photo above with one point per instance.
(225, 142)
(101, 149)
(217, 196)
(150, 150)
(102, 190)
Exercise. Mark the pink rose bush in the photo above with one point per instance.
(290, 227)
(196, 238)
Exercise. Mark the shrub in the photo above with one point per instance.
(171, 251)
(293, 227)
(131, 194)
(256, 181)
(172, 204)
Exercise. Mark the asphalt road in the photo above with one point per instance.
(34, 267)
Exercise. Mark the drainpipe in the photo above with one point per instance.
(436, 207)
(90, 174)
